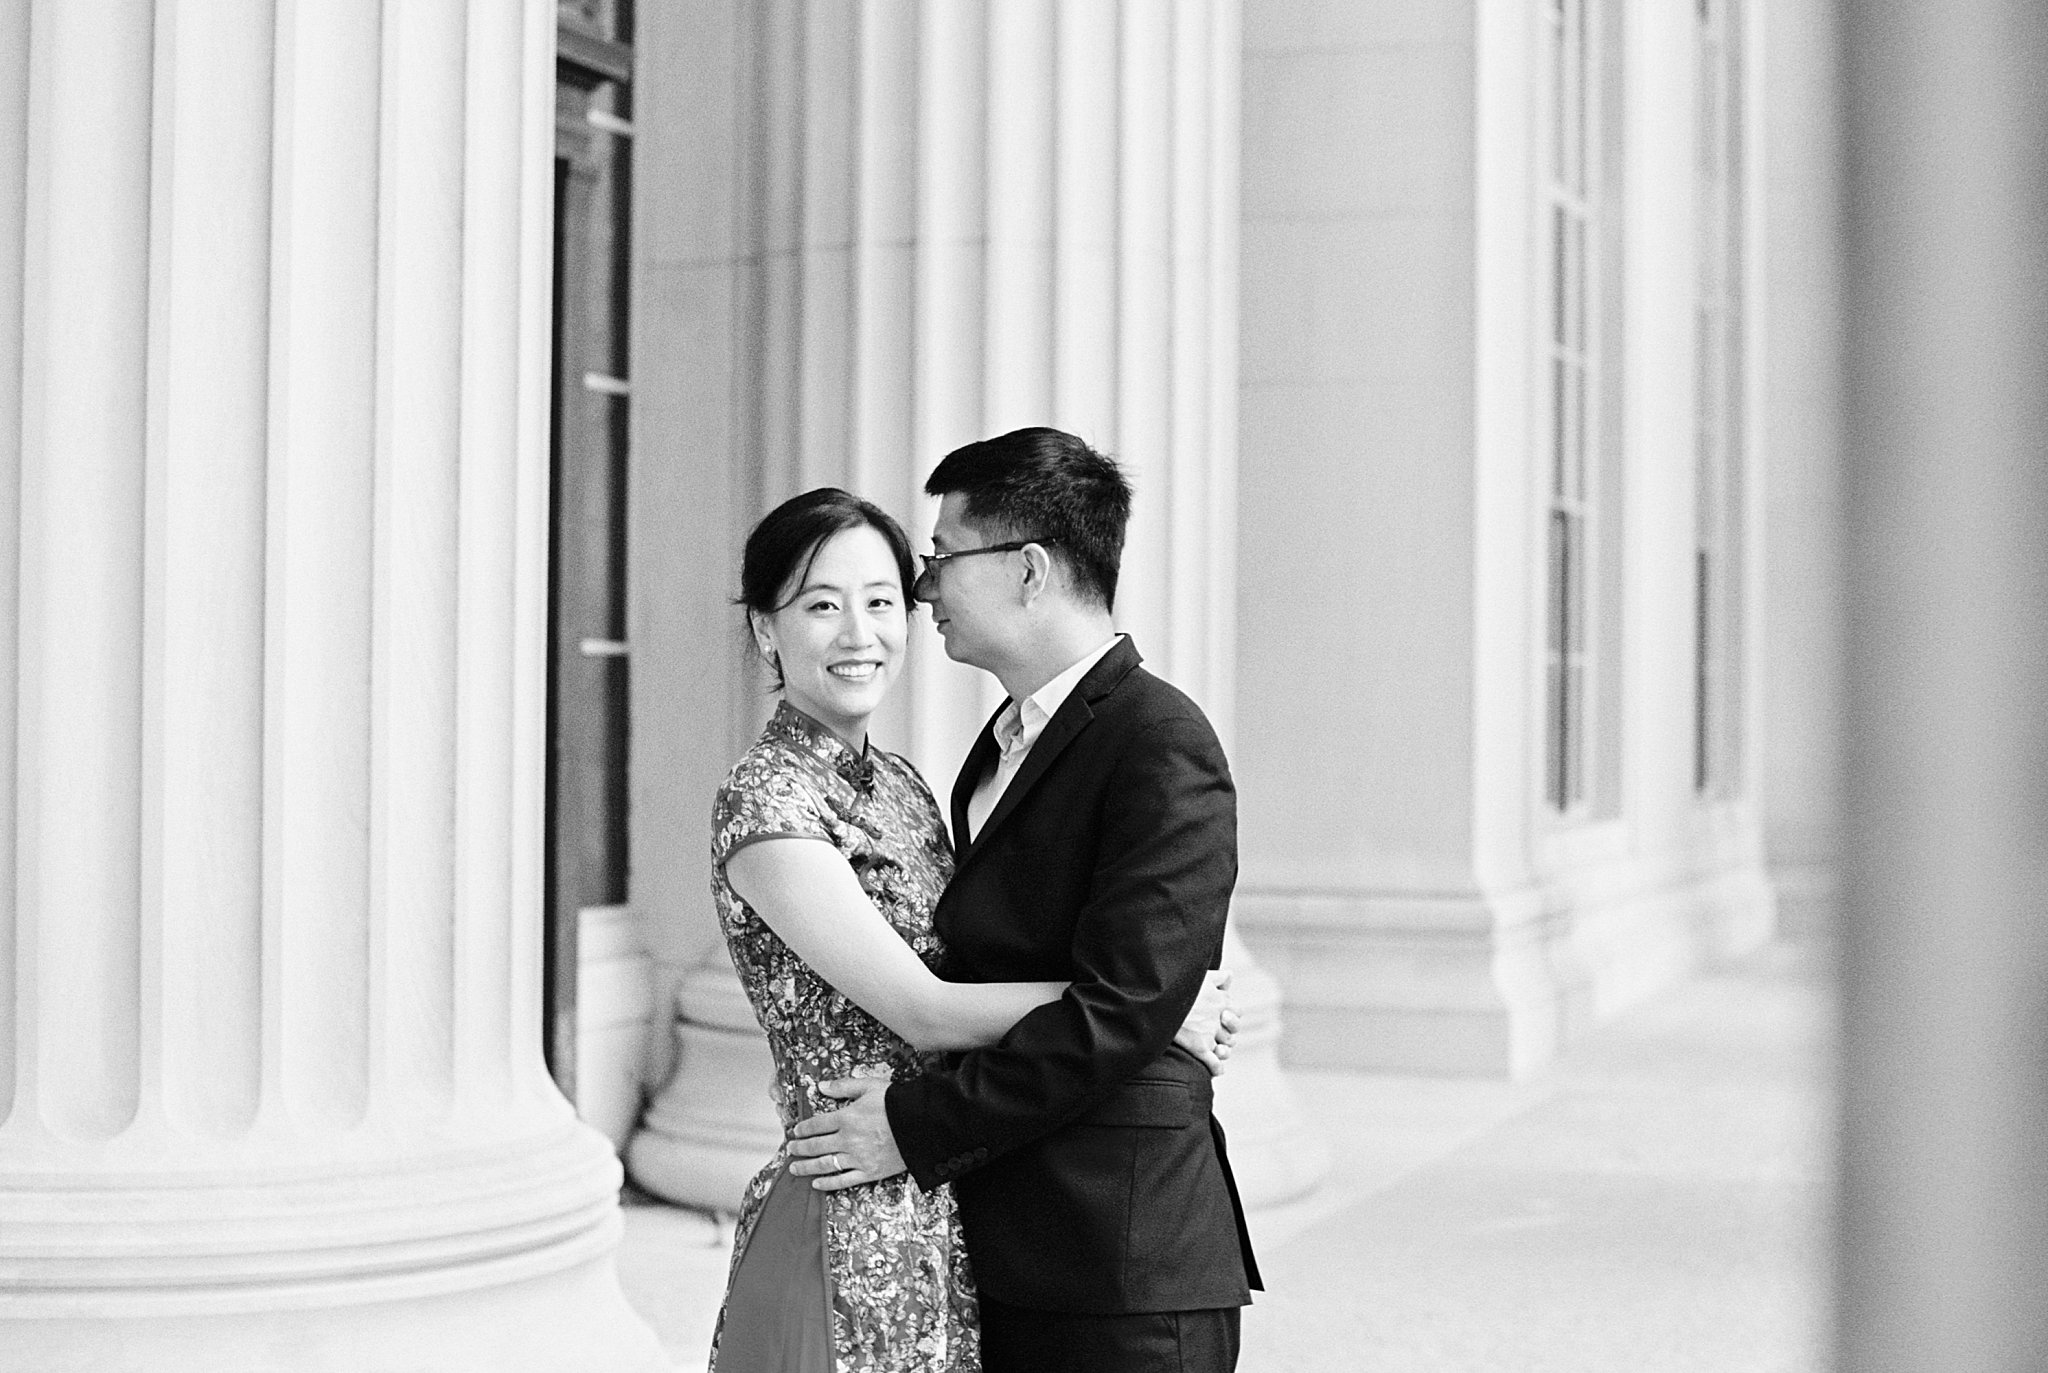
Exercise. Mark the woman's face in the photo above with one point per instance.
(840, 635)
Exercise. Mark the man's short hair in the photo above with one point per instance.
(1049, 487)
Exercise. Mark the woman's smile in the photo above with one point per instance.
(839, 636)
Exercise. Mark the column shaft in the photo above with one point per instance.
(1944, 1201)
(14, 109)
(1801, 405)
(1476, 820)
(273, 295)
(203, 567)
(323, 415)
(496, 1018)
(84, 363)
(412, 652)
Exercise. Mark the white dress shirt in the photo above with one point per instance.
(1018, 728)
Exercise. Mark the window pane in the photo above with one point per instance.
(1571, 754)
(1580, 57)
(1575, 283)
(1556, 593)
(1579, 444)
(1575, 586)
(1557, 734)
(1558, 100)
(1554, 773)
(1703, 694)
(1560, 427)
(1560, 276)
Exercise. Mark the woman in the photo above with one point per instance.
(834, 945)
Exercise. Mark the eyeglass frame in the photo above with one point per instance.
(929, 564)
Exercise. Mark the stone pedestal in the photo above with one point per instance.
(273, 492)
(712, 1125)
(1276, 1152)
(925, 226)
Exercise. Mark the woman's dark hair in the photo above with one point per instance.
(1046, 485)
(786, 541)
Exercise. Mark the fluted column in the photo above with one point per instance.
(935, 222)
(273, 383)
(1426, 896)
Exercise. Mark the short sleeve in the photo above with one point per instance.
(759, 801)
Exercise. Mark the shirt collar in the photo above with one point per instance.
(1022, 722)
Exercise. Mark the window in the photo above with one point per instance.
(1571, 394)
(1719, 471)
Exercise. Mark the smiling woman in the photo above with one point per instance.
(781, 561)
(836, 638)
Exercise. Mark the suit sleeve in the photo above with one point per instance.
(1151, 926)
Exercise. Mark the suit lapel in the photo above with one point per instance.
(979, 759)
(1073, 717)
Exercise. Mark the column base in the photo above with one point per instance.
(1809, 899)
(1490, 984)
(366, 1226)
(712, 1126)
(570, 1321)
(495, 1258)
(1276, 1154)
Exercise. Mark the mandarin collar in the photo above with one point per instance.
(792, 724)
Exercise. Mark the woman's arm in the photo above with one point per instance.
(807, 893)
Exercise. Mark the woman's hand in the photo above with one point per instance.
(1211, 1027)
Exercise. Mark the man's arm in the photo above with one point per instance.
(854, 1144)
(1152, 926)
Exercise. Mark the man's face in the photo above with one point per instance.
(972, 599)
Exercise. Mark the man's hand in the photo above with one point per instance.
(1211, 1026)
(851, 1145)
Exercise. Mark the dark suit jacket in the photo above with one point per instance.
(1089, 1172)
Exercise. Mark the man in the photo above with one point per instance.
(1096, 834)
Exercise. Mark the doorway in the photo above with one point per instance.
(589, 658)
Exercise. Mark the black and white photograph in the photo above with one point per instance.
(1023, 686)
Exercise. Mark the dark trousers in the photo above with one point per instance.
(1017, 1340)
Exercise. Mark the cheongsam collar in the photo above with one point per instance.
(800, 729)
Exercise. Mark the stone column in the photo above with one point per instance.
(1406, 878)
(1943, 1211)
(1802, 321)
(932, 224)
(274, 292)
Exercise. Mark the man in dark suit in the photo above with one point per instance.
(1096, 831)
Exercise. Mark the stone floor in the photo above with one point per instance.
(1655, 1203)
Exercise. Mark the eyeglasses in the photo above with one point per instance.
(930, 564)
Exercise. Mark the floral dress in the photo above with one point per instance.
(873, 1277)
